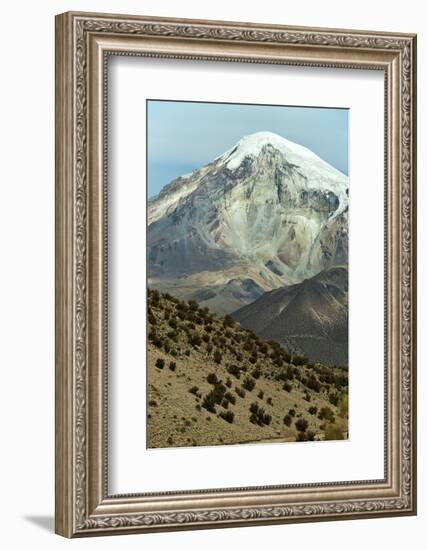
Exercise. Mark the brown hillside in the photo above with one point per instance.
(211, 382)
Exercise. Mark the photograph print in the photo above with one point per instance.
(247, 274)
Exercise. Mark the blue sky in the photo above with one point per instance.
(183, 136)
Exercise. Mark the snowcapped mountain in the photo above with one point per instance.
(265, 214)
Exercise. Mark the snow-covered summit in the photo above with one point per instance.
(252, 145)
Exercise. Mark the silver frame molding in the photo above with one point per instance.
(83, 43)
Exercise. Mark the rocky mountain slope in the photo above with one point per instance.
(266, 214)
(310, 317)
(211, 382)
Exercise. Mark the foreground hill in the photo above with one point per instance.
(211, 382)
(310, 317)
(266, 214)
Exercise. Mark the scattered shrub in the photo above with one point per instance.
(291, 412)
(287, 387)
(310, 435)
(312, 410)
(249, 383)
(256, 373)
(230, 397)
(228, 321)
(194, 339)
(287, 420)
(228, 416)
(240, 392)
(217, 357)
(160, 363)
(195, 391)
(299, 360)
(326, 413)
(313, 383)
(334, 398)
(301, 424)
(261, 395)
(212, 378)
(234, 370)
(172, 366)
(258, 415)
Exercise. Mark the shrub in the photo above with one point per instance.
(334, 398)
(160, 363)
(152, 403)
(253, 358)
(217, 357)
(313, 383)
(312, 410)
(194, 339)
(206, 338)
(166, 347)
(299, 360)
(287, 387)
(326, 413)
(261, 395)
(256, 373)
(234, 370)
(195, 391)
(155, 338)
(173, 323)
(253, 408)
(209, 348)
(172, 366)
(307, 397)
(187, 352)
(310, 435)
(151, 319)
(291, 412)
(286, 356)
(212, 378)
(228, 382)
(208, 403)
(173, 335)
(228, 321)
(193, 306)
(301, 424)
(269, 401)
(249, 383)
(290, 373)
(230, 397)
(287, 420)
(258, 415)
(228, 416)
(240, 392)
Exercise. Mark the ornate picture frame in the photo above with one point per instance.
(84, 42)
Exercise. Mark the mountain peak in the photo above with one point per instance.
(252, 145)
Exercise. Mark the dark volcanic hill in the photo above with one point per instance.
(310, 317)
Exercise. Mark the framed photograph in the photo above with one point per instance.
(235, 274)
